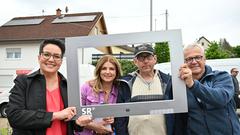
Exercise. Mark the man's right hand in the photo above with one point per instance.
(185, 74)
(65, 114)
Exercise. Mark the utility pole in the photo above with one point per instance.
(151, 15)
(155, 24)
(166, 14)
(43, 12)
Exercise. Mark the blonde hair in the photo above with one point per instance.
(98, 81)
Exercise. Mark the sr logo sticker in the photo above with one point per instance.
(87, 111)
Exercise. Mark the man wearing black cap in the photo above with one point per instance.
(145, 82)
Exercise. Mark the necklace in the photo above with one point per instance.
(148, 85)
(145, 82)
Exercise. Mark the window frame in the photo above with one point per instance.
(14, 53)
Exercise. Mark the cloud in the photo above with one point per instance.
(213, 19)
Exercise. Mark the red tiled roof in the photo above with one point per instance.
(47, 29)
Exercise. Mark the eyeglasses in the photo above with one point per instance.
(48, 55)
(141, 58)
(235, 71)
(196, 58)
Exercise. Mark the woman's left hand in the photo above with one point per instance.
(84, 120)
(108, 120)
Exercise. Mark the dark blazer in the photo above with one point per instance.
(26, 109)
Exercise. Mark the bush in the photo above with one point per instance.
(127, 66)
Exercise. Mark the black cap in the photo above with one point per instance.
(145, 48)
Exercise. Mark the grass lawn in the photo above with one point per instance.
(3, 131)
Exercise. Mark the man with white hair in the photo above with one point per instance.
(210, 97)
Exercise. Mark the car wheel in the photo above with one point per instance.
(3, 110)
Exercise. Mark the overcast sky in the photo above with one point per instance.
(213, 19)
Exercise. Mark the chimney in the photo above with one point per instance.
(58, 12)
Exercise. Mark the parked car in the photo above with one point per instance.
(3, 102)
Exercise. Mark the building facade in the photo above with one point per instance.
(20, 39)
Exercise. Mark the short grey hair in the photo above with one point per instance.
(194, 45)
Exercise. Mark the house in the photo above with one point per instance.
(204, 42)
(120, 52)
(21, 36)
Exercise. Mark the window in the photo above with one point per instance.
(13, 53)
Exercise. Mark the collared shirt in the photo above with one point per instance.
(89, 97)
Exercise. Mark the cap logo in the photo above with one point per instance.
(142, 48)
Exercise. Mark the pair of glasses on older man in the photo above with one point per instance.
(48, 55)
(235, 71)
(142, 57)
(191, 59)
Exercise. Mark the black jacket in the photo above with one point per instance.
(26, 109)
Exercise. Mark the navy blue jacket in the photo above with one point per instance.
(211, 106)
(124, 95)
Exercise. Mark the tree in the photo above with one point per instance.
(216, 52)
(224, 44)
(127, 66)
(236, 51)
(162, 52)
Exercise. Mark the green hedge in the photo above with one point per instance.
(127, 66)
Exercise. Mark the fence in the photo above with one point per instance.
(120, 56)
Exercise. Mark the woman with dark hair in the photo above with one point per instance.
(101, 90)
(38, 101)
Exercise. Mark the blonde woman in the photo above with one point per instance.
(103, 90)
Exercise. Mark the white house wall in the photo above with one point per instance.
(204, 43)
(29, 61)
(85, 55)
(8, 67)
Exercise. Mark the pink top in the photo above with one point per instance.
(55, 104)
(90, 98)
